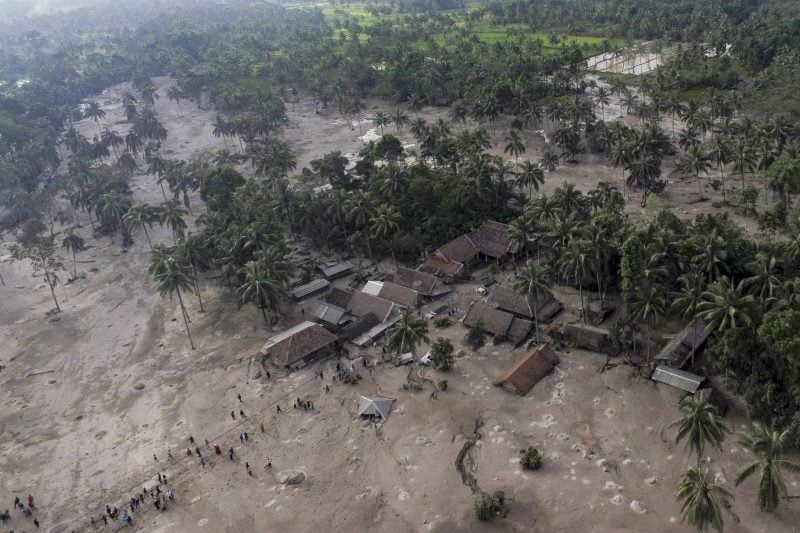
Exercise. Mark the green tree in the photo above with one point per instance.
(218, 187)
(141, 215)
(649, 306)
(384, 223)
(171, 213)
(699, 508)
(602, 99)
(442, 354)
(94, 112)
(38, 249)
(695, 161)
(261, 287)
(531, 176)
(192, 250)
(172, 276)
(769, 447)
(74, 243)
(533, 282)
(406, 333)
(724, 305)
(475, 337)
(514, 146)
(700, 425)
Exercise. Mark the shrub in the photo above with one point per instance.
(487, 506)
(442, 385)
(476, 337)
(442, 322)
(352, 379)
(442, 354)
(530, 459)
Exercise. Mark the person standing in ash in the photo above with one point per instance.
(191, 440)
(246, 438)
(241, 413)
(262, 427)
(202, 462)
(239, 396)
(217, 449)
(230, 454)
(233, 416)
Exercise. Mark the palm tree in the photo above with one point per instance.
(406, 334)
(192, 250)
(743, 157)
(94, 112)
(261, 287)
(699, 425)
(111, 207)
(381, 120)
(602, 99)
(514, 146)
(549, 160)
(769, 447)
(686, 299)
(648, 305)
(765, 283)
(720, 155)
(574, 261)
(171, 213)
(725, 306)
(73, 243)
(384, 223)
(699, 507)
(711, 256)
(695, 161)
(171, 276)
(174, 94)
(360, 212)
(531, 176)
(535, 285)
(141, 215)
(400, 119)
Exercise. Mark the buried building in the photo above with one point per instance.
(298, 346)
(529, 369)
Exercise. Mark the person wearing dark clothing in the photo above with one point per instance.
(239, 396)
(241, 413)
(233, 416)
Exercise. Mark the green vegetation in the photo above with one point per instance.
(488, 506)
(531, 459)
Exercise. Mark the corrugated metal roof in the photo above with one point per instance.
(373, 288)
(337, 271)
(678, 378)
(301, 291)
(329, 313)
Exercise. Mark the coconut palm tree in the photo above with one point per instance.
(765, 282)
(648, 305)
(171, 213)
(700, 425)
(359, 213)
(719, 152)
(111, 207)
(94, 112)
(699, 507)
(141, 215)
(743, 157)
(384, 223)
(514, 146)
(261, 287)
(174, 94)
(172, 276)
(192, 250)
(381, 120)
(724, 306)
(400, 119)
(531, 176)
(769, 447)
(602, 98)
(695, 161)
(74, 243)
(575, 262)
(406, 334)
(688, 296)
(533, 282)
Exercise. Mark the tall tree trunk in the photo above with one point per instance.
(74, 265)
(185, 319)
(147, 234)
(264, 314)
(580, 292)
(536, 322)
(50, 283)
(197, 290)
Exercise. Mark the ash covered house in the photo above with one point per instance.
(529, 369)
(503, 325)
(296, 347)
(489, 243)
(508, 299)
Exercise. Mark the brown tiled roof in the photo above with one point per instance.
(491, 239)
(459, 250)
(414, 279)
(300, 345)
(519, 329)
(399, 294)
(339, 297)
(439, 265)
(588, 337)
(529, 369)
(508, 299)
(362, 303)
(492, 320)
